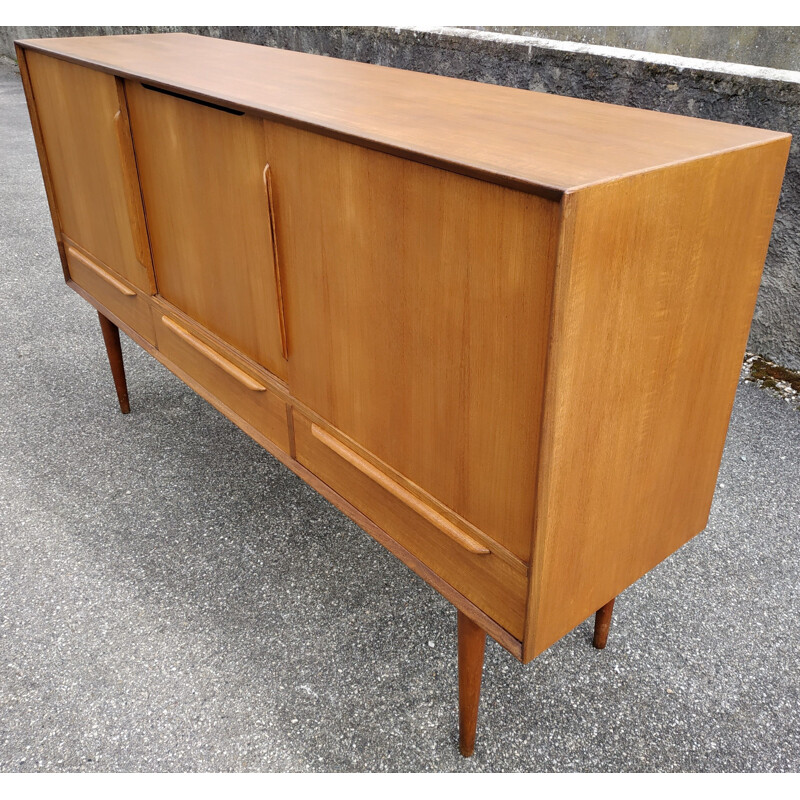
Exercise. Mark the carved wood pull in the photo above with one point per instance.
(401, 493)
(101, 273)
(212, 355)
(133, 197)
(267, 176)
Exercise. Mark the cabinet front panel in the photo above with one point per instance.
(203, 182)
(230, 381)
(417, 308)
(495, 586)
(119, 298)
(87, 140)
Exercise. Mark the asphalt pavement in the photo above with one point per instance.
(174, 599)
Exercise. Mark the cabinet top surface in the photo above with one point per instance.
(549, 143)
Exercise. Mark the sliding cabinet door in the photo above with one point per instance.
(204, 176)
(84, 123)
(417, 312)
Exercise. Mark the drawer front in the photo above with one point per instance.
(229, 380)
(492, 583)
(115, 294)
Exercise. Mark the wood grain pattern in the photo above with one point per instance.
(425, 511)
(405, 308)
(223, 363)
(654, 293)
(208, 215)
(103, 274)
(243, 387)
(471, 647)
(267, 176)
(123, 300)
(533, 140)
(548, 382)
(44, 164)
(133, 192)
(114, 352)
(419, 494)
(494, 585)
(76, 107)
(602, 624)
(499, 634)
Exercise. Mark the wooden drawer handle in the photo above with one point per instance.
(394, 488)
(133, 197)
(212, 355)
(101, 273)
(267, 178)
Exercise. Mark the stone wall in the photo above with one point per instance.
(748, 95)
(762, 45)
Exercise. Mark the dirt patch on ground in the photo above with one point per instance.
(775, 378)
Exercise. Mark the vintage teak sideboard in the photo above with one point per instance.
(501, 330)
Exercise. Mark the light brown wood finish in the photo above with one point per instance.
(549, 382)
(492, 583)
(445, 392)
(459, 601)
(499, 634)
(201, 347)
(275, 258)
(243, 387)
(420, 497)
(543, 142)
(76, 108)
(133, 192)
(105, 275)
(114, 353)
(655, 290)
(202, 173)
(22, 61)
(122, 299)
(425, 511)
(602, 624)
(471, 647)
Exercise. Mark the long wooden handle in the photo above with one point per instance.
(133, 197)
(267, 177)
(100, 272)
(212, 355)
(401, 493)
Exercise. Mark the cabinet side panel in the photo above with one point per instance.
(417, 305)
(654, 295)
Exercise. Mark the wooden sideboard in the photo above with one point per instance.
(500, 330)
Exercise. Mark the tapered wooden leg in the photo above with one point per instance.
(602, 622)
(114, 350)
(471, 646)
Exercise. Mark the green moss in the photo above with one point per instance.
(769, 374)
